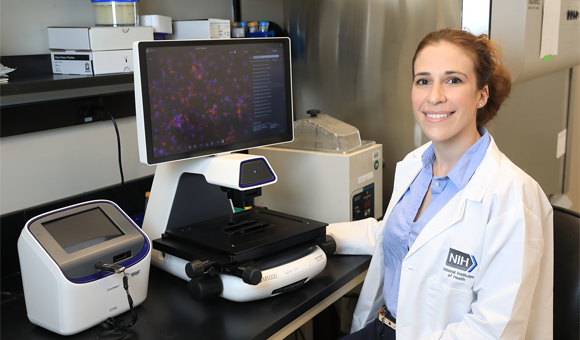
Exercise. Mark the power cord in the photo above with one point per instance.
(120, 328)
(350, 297)
(11, 296)
(96, 109)
(301, 334)
(18, 295)
(118, 145)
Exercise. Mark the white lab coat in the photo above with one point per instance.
(503, 219)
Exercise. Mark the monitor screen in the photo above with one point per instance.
(202, 97)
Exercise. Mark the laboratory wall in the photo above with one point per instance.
(45, 166)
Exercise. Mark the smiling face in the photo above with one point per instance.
(445, 95)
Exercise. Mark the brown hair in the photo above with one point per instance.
(489, 69)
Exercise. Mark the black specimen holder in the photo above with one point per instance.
(203, 230)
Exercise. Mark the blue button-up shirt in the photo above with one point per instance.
(402, 232)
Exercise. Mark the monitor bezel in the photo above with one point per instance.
(143, 101)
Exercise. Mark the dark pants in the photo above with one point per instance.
(375, 330)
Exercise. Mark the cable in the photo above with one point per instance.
(11, 297)
(301, 334)
(350, 297)
(118, 328)
(118, 153)
(18, 295)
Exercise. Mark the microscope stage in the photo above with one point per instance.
(247, 235)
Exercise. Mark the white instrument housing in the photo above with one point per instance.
(64, 306)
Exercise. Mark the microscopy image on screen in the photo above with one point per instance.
(205, 97)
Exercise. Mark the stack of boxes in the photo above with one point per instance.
(94, 50)
(104, 50)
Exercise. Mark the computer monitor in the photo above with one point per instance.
(197, 98)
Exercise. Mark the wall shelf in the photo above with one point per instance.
(29, 84)
(33, 74)
(35, 99)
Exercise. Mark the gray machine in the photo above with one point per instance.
(327, 173)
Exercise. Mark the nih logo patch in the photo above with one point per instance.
(461, 261)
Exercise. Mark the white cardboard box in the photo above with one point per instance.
(200, 29)
(92, 63)
(160, 23)
(96, 38)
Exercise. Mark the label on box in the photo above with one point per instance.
(72, 63)
(219, 30)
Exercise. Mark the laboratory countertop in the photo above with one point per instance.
(169, 312)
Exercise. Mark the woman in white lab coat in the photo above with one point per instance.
(465, 249)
